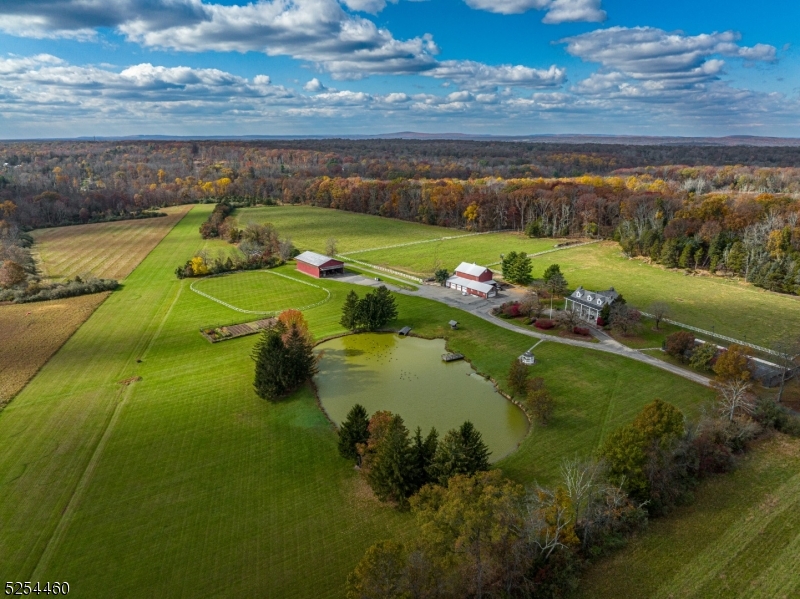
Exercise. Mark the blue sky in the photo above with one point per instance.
(198, 67)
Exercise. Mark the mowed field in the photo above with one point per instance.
(731, 308)
(423, 259)
(31, 333)
(740, 539)
(104, 250)
(184, 483)
(262, 291)
(311, 227)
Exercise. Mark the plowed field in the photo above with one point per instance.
(105, 250)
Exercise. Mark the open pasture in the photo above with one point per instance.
(423, 259)
(262, 291)
(311, 227)
(105, 250)
(740, 539)
(731, 308)
(185, 480)
(31, 333)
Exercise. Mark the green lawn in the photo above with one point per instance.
(422, 259)
(311, 227)
(740, 539)
(261, 291)
(186, 484)
(732, 308)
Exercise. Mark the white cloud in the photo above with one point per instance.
(476, 75)
(314, 86)
(558, 11)
(650, 53)
(396, 98)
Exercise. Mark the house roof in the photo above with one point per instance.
(470, 284)
(471, 269)
(595, 299)
(315, 259)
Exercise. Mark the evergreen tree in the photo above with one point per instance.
(462, 451)
(557, 285)
(517, 268)
(350, 312)
(269, 355)
(386, 308)
(354, 430)
(686, 259)
(669, 253)
(391, 473)
(422, 453)
(301, 364)
(441, 275)
(551, 270)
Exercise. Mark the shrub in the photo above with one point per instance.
(512, 310)
(544, 324)
(703, 356)
(679, 344)
(581, 331)
(600, 321)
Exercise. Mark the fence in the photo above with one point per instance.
(382, 269)
(407, 244)
(717, 335)
(566, 247)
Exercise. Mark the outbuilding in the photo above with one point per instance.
(318, 265)
(472, 279)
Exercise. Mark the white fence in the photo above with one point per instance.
(566, 247)
(382, 269)
(402, 245)
(717, 335)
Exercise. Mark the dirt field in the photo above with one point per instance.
(105, 250)
(31, 333)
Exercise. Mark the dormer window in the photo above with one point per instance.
(589, 297)
(599, 301)
(578, 294)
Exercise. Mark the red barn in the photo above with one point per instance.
(318, 265)
(473, 280)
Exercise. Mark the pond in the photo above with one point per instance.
(406, 376)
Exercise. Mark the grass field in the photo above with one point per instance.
(262, 291)
(735, 309)
(31, 333)
(185, 483)
(105, 250)
(740, 539)
(422, 259)
(310, 227)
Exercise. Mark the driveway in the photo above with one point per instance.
(482, 309)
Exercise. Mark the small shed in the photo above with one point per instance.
(404, 331)
(528, 358)
(318, 265)
(453, 324)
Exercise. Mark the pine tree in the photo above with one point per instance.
(422, 452)
(386, 306)
(551, 270)
(391, 473)
(350, 312)
(354, 430)
(269, 355)
(462, 451)
(301, 364)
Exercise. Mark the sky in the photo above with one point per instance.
(72, 68)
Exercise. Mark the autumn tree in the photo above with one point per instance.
(11, 274)
(518, 378)
(732, 364)
(539, 400)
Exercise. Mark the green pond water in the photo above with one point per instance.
(406, 376)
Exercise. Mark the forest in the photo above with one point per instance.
(729, 210)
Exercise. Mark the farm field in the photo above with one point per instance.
(66, 252)
(422, 259)
(735, 309)
(740, 539)
(262, 291)
(311, 227)
(185, 480)
(31, 333)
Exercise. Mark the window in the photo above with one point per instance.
(589, 297)
(599, 301)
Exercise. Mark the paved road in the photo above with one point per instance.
(482, 309)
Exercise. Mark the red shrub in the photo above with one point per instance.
(544, 324)
(581, 331)
(600, 321)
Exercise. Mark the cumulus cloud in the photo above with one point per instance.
(314, 86)
(476, 75)
(558, 11)
(654, 54)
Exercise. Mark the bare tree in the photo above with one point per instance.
(659, 310)
(569, 318)
(286, 248)
(548, 521)
(331, 247)
(583, 481)
(734, 396)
